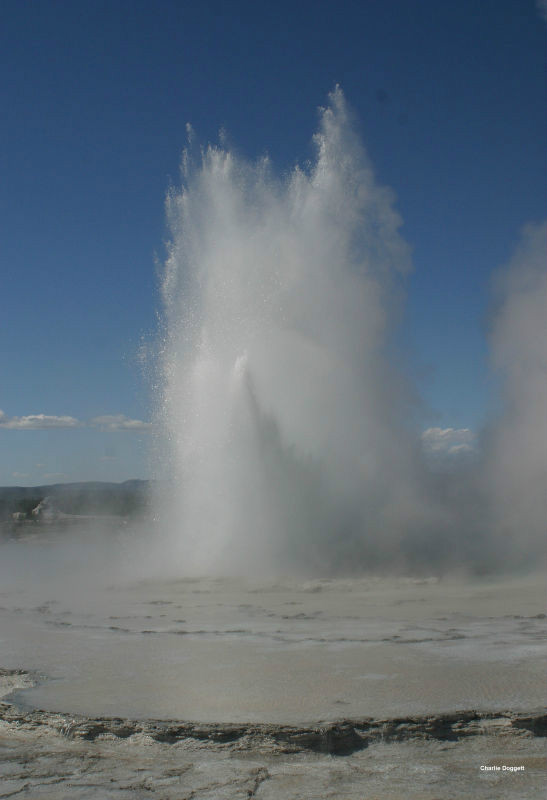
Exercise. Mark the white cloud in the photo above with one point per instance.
(20, 475)
(37, 422)
(448, 441)
(119, 422)
(459, 449)
(107, 422)
(54, 476)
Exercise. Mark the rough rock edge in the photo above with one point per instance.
(336, 738)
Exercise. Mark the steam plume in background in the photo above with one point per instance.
(285, 420)
(515, 447)
(491, 492)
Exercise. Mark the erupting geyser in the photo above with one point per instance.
(284, 419)
(282, 413)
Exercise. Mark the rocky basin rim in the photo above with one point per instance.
(341, 737)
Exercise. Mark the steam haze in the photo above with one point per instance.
(515, 447)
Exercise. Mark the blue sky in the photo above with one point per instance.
(450, 100)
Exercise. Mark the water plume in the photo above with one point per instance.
(282, 413)
(286, 422)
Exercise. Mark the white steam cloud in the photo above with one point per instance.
(516, 445)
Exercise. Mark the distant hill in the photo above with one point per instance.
(93, 497)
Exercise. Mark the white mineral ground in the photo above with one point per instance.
(225, 688)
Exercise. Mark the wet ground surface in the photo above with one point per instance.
(223, 688)
(45, 755)
(279, 651)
